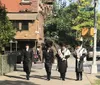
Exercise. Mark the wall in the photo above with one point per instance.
(7, 63)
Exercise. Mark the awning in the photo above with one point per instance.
(22, 16)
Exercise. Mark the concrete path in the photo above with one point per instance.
(38, 76)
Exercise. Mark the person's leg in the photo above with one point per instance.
(60, 75)
(27, 75)
(39, 57)
(63, 76)
(77, 75)
(48, 71)
(80, 75)
(48, 75)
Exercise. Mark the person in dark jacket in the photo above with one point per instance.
(27, 60)
(62, 56)
(48, 57)
(79, 54)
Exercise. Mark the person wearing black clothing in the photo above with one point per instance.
(48, 57)
(27, 60)
(62, 56)
(79, 54)
(38, 53)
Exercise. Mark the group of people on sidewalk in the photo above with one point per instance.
(63, 53)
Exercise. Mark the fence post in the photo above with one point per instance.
(2, 65)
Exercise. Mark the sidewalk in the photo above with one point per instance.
(38, 77)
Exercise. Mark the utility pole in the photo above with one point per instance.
(94, 65)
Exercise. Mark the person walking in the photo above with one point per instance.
(48, 57)
(27, 60)
(62, 56)
(39, 53)
(79, 54)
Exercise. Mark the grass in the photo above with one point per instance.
(97, 82)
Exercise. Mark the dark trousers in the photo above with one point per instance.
(27, 75)
(48, 67)
(62, 75)
(39, 57)
(79, 75)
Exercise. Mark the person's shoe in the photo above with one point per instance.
(48, 79)
(63, 79)
(27, 77)
(81, 79)
(77, 79)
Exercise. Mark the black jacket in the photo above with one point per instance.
(62, 64)
(27, 60)
(48, 56)
(79, 64)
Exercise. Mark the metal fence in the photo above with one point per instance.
(7, 63)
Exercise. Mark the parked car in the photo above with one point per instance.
(90, 53)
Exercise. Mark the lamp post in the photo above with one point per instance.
(11, 42)
(11, 45)
(16, 45)
(94, 65)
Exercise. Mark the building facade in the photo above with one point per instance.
(28, 17)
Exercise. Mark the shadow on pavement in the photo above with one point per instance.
(70, 79)
(44, 77)
(21, 70)
(98, 76)
(9, 82)
(17, 77)
(37, 76)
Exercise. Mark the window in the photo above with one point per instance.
(21, 25)
(25, 25)
(15, 24)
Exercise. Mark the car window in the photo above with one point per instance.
(98, 48)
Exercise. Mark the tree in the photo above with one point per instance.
(85, 15)
(69, 21)
(7, 31)
(98, 27)
(60, 24)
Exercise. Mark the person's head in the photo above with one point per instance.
(62, 45)
(48, 43)
(27, 46)
(79, 44)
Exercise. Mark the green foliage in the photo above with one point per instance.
(68, 22)
(98, 26)
(97, 82)
(85, 15)
(56, 27)
(6, 29)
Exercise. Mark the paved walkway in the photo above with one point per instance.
(38, 76)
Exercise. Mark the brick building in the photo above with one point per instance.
(27, 17)
(48, 6)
